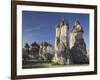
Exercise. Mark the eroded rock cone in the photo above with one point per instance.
(61, 43)
(78, 47)
(79, 53)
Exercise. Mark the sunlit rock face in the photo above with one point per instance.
(76, 33)
(77, 45)
(61, 43)
(62, 52)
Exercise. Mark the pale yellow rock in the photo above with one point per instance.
(77, 31)
(61, 39)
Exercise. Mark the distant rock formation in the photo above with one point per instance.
(62, 52)
(61, 44)
(30, 51)
(43, 51)
(46, 51)
(77, 45)
(34, 50)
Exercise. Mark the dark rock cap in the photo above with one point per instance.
(75, 29)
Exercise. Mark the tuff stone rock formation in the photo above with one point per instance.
(46, 51)
(61, 44)
(62, 52)
(40, 52)
(77, 45)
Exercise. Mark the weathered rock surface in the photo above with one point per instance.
(61, 44)
(63, 52)
(78, 47)
(35, 51)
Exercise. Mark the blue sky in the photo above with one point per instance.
(40, 26)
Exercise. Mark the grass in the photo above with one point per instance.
(45, 64)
